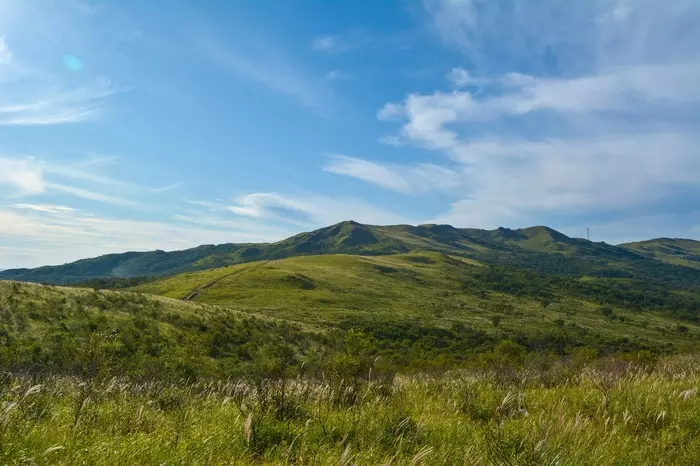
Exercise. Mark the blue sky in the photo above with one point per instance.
(132, 125)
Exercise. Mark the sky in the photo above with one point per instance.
(132, 125)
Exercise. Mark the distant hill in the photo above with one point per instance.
(538, 248)
(380, 294)
(676, 251)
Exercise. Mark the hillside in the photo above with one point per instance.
(420, 292)
(420, 309)
(537, 248)
(685, 252)
(84, 332)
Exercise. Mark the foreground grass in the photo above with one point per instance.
(605, 413)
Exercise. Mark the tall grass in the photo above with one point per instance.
(607, 412)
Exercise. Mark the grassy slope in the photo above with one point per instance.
(683, 252)
(56, 328)
(425, 287)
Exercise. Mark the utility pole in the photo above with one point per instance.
(588, 234)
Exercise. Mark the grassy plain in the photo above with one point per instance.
(607, 412)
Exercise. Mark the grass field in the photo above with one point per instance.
(563, 413)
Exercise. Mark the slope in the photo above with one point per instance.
(685, 252)
(97, 333)
(422, 291)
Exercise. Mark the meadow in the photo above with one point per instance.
(516, 412)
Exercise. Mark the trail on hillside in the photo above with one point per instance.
(194, 294)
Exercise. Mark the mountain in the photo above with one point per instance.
(676, 251)
(538, 248)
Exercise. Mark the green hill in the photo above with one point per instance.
(428, 290)
(537, 248)
(676, 251)
(419, 309)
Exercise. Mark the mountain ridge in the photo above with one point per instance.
(538, 247)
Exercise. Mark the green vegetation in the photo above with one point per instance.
(519, 411)
(416, 345)
(684, 252)
(431, 290)
(537, 248)
(419, 311)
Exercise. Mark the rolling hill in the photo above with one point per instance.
(420, 310)
(685, 252)
(538, 248)
(427, 295)
(428, 290)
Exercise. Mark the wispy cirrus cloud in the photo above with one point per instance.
(412, 179)
(93, 195)
(311, 211)
(270, 68)
(33, 90)
(47, 208)
(53, 107)
(34, 96)
(22, 177)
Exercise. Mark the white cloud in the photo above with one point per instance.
(32, 104)
(640, 89)
(92, 195)
(566, 35)
(40, 234)
(265, 205)
(311, 211)
(29, 176)
(47, 208)
(606, 120)
(417, 178)
(459, 77)
(32, 91)
(368, 171)
(24, 177)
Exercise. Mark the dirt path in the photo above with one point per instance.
(194, 294)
